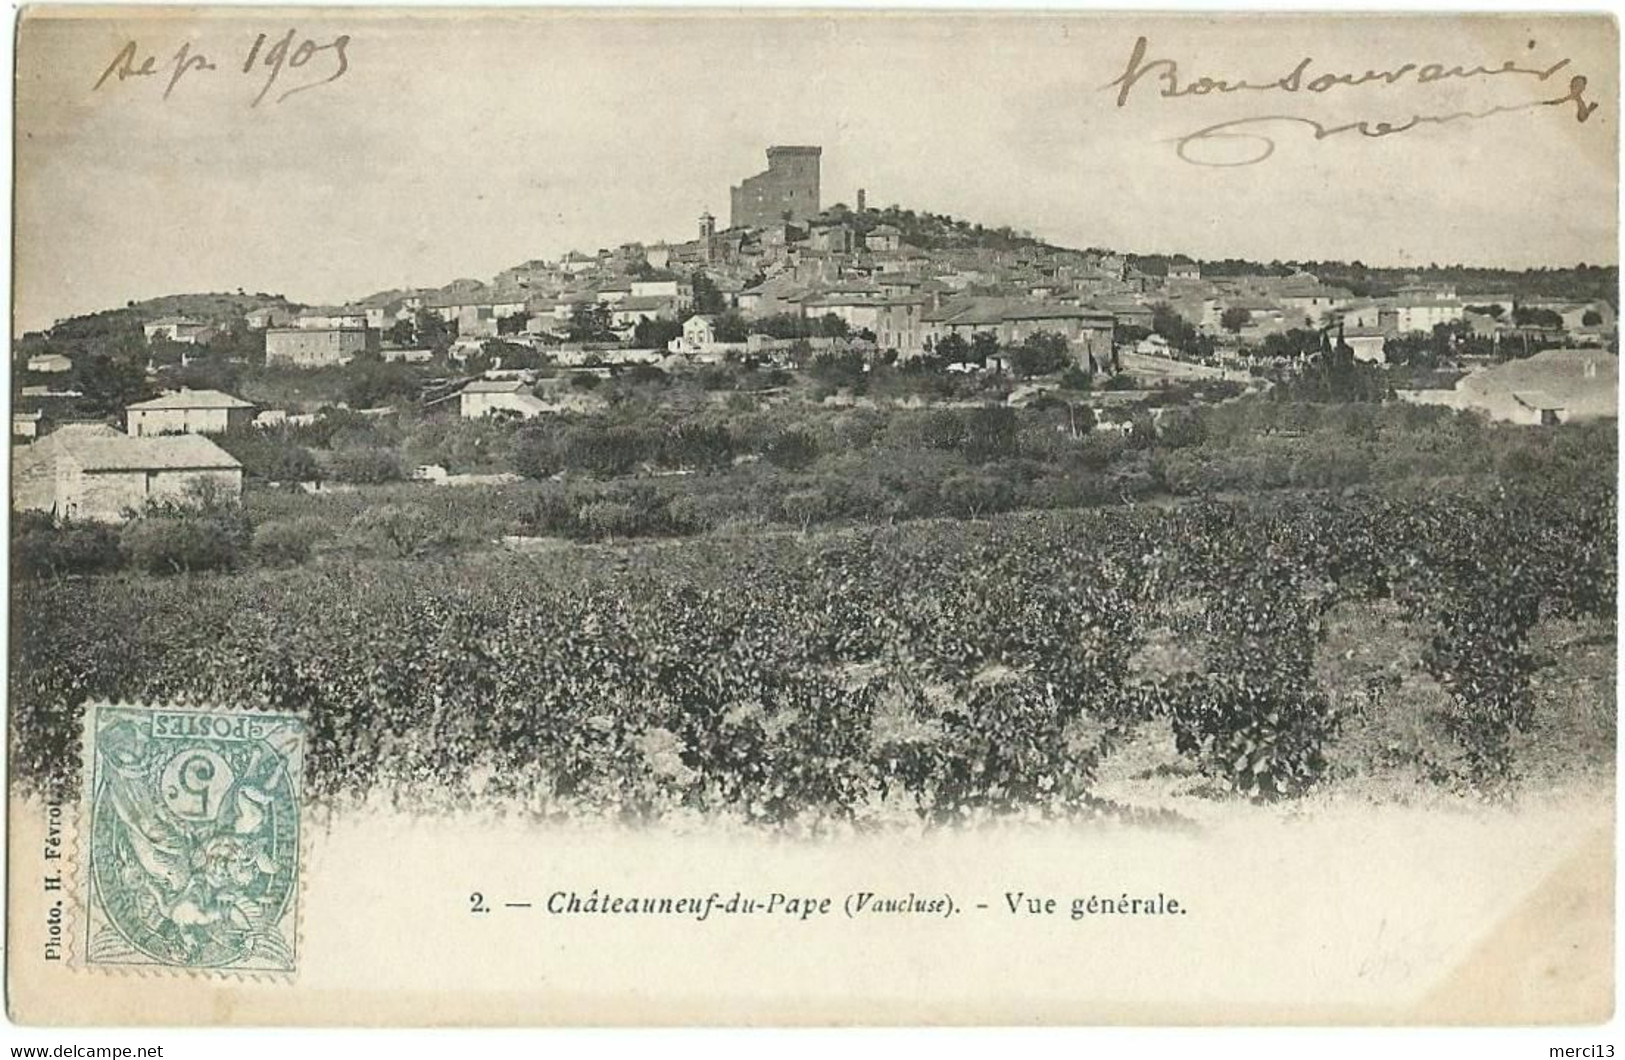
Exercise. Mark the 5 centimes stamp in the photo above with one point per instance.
(191, 856)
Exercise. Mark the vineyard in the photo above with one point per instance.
(944, 670)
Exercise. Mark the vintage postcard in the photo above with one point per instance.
(553, 516)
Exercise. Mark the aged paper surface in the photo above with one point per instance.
(620, 517)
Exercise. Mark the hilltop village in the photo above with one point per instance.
(791, 304)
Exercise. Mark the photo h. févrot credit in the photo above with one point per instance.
(936, 483)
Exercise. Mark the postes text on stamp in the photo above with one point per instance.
(191, 857)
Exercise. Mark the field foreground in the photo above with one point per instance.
(1027, 666)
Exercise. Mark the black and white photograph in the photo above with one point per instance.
(812, 517)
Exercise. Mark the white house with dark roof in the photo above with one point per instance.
(629, 311)
(323, 318)
(177, 329)
(189, 412)
(49, 364)
(93, 472)
(485, 397)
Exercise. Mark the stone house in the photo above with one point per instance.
(884, 239)
(93, 472)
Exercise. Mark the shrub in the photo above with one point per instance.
(271, 457)
(698, 512)
(601, 520)
(594, 512)
(161, 544)
(1266, 740)
(1331, 469)
(1182, 474)
(1075, 378)
(604, 452)
(698, 447)
(288, 542)
(975, 494)
(366, 465)
(535, 454)
(394, 530)
(41, 550)
(791, 450)
(808, 506)
(1180, 430)
(990, 433)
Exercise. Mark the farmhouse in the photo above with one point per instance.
(392, 354)
(94, 472)
(176, 329)
(188, 412)
(322, 318)
(1367, 344)
(859, 307)
(49, 364)
(629, 311)
(1312, 304)
(883, 238)
(1401, 315)
(1554, 386)
(1088, 331)
(485, 397)
(26, 426)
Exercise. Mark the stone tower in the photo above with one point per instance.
(788, 191)
(708, 235)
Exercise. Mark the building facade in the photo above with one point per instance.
(317, 347)
(189, 412)
(176, 329)
(96, 473)
(787, 191)
(485, 397)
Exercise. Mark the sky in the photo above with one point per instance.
(457, 144)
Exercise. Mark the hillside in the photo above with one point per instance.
(1580, 283)
(931, 231)
(212, 307)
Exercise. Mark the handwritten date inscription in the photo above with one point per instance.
(292, 61)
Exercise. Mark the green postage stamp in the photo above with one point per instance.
(191, 856)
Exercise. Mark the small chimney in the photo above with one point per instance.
(863, 200)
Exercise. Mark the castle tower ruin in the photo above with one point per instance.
(788, 191)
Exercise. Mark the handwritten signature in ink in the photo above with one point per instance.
(1243, 141)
